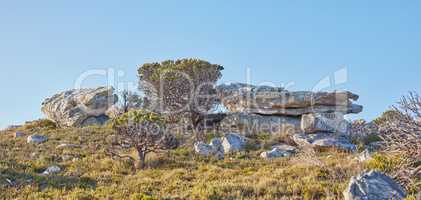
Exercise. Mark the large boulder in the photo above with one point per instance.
(324, 141)
(249, 124)
(325, 122)
(373, 185)
(78, 108)
(267, 100)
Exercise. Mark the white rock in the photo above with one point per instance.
(52, 170)
(204, 149)
(278, 151)
(81, 107)
(37, 139)
(373, 186)
(233, 142)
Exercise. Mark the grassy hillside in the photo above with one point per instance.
(90, 173)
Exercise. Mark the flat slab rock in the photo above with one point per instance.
(239, 97)
(324, 141)
(373, 185)
(78, 108)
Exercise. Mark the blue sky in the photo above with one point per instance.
(46, 45)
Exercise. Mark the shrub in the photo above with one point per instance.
(145, 131)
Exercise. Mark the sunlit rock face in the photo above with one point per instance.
(79, 108)
(239, 97)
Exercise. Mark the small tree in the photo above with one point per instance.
(402, 134)
(129, 101)
(182, 87)
(146, 133)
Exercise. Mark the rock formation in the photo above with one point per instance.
(317, 117)
(78, 108)
(373, 185)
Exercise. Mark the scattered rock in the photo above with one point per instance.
(373, 185)
(52, 170)
(207, 150)
(282, 150)
(78, 108)
(18, 134)
(70, 146)
(37, 139)
(233, 142)
(324, 141)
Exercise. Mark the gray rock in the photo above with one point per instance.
(207, 150)
(325, 122)
(233, 142)
(249, 124)
(267, 100)
(216, 144)
(322, 141)
(52, 170)
(282, 150)
(18, 134)
(78, 108)
(373, 186)
(37, 139)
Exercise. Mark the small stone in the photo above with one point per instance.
(18, 134)
(52, 170)
(324, 141)
(37, 139)
(66, 157)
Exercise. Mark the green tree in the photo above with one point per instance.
(178, 88)
(145, 131)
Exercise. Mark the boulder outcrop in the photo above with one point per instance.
(78, 108)
(267, 100)
(373, 185)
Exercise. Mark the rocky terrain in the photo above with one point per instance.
(271, 144)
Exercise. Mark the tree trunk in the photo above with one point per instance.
(142, 158)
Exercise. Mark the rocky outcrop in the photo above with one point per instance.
(373, 186)
(267, 100)
(78, 108)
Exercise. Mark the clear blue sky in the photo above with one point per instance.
(46, 45)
